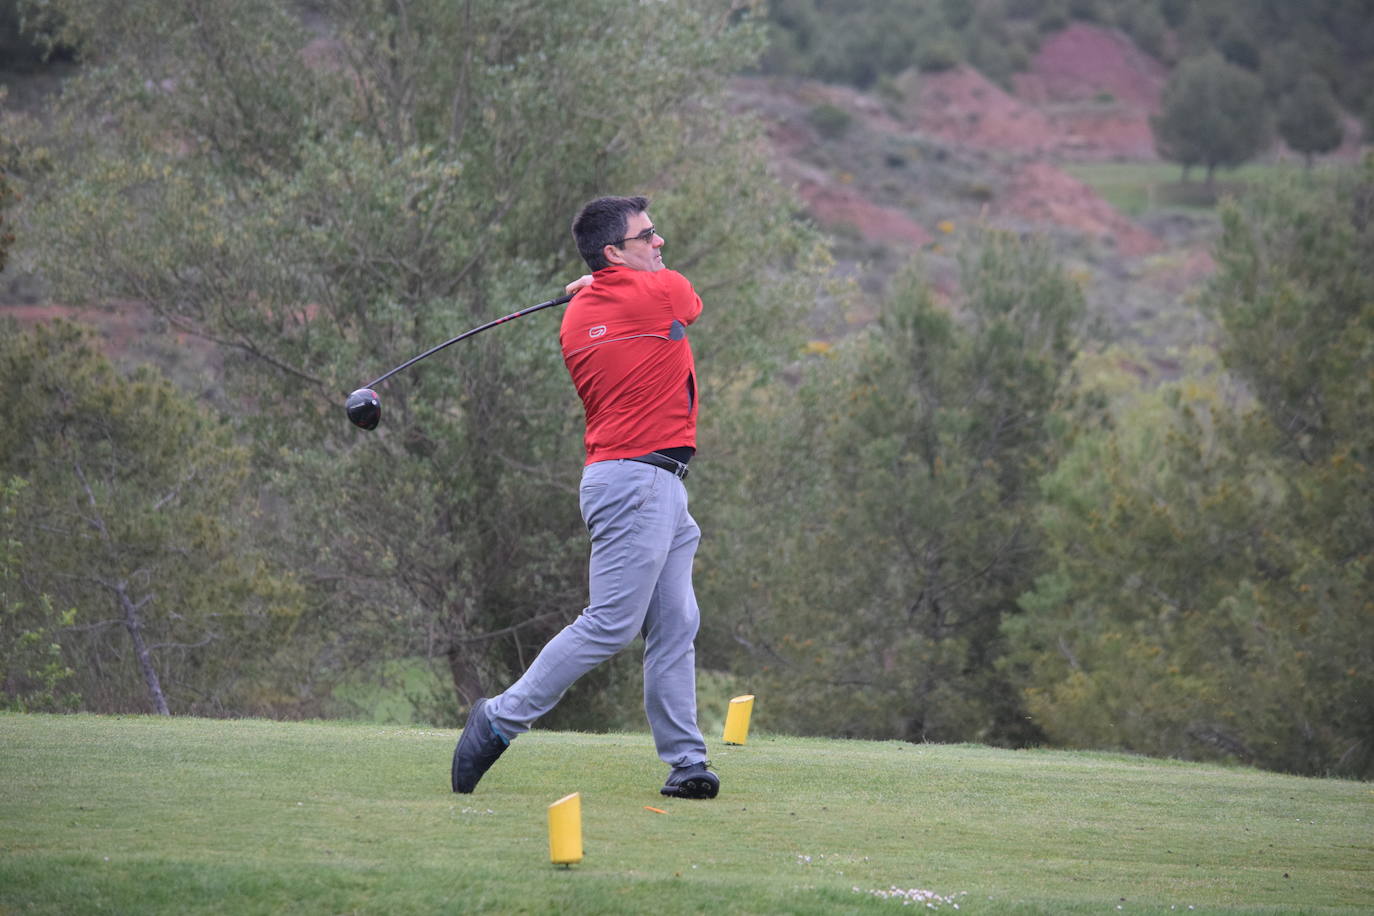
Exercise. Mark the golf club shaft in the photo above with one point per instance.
(466, 334)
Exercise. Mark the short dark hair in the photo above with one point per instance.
(602, 222)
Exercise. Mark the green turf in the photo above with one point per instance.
(1138, 188)
(151, 815)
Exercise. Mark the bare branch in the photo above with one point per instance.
(209, 638)
(92, 627)
(496, 634)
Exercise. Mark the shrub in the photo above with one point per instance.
(937, 56)
(831, 121)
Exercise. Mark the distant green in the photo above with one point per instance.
(155, 815)
(1137, 188)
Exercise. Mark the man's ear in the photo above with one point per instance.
(613, 254)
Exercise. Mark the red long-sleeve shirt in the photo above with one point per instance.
(624, 341)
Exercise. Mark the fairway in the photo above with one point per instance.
(1138, 188)
(154, 815)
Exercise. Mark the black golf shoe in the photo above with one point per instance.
(478, 747)
(692, 781)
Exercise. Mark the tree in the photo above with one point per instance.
(33, 675)
(1212, 114)
(321, 206)
(852, 44)
(8, 198)
(1126, 644)
(1309, 118)
(1294, 298)
(132, 517)
(17, 52)
(1215, 548)
(902, 530)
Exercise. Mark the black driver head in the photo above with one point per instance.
(364, 409)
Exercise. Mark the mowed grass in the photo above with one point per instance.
(1138, 188)
(153, 815)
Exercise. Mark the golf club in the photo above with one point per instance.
(365, 408)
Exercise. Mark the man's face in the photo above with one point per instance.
(638, 251)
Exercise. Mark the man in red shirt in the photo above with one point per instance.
(624, 339)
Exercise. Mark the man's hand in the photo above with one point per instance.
(574, 286)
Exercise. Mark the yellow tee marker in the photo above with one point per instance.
(737, 720)
(565, 830)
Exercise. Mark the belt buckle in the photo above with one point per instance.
(679, 468)
(664, 462)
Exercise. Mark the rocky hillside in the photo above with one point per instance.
(912, 168)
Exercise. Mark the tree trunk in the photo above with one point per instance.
(133, 622)
(466, 681)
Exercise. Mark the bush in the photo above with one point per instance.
(937, 56)
(1309, 118)
(830, 121)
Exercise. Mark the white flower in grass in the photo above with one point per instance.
(916, 895)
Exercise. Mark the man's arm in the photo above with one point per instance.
(682, 298)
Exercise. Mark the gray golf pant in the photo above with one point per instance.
(643, 542)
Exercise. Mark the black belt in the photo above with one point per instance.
(677, 468)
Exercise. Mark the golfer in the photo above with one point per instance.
(624, 339)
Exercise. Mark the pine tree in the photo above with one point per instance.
(1310, 118)
(1212, 114)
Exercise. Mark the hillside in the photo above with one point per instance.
(913, 165)
(155, 815)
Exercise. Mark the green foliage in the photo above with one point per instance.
(937, 56)
(1121, 640)
(903, 531)
(9, 197)
(863, 42)
(1215, 550)
(1309, 119)
(134, 517)
(20, 49)
(1053, 15)
(321, 207)
(1294, 295)
(1212, 114)
(1146, 25)
(830, 121)
(841, 42)
(1284, 41)
(7, 201)
(33, 676)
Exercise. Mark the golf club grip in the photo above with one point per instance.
(466, 334)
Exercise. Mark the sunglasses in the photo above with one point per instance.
(646, 236)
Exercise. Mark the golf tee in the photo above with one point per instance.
(565, 830)
(737, 720)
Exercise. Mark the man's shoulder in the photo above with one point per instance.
(665, 279)
(674, 282)
(671, 288)
(619, 292)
